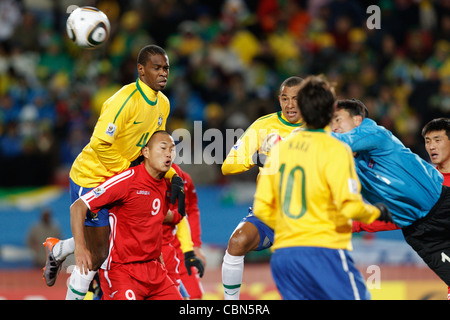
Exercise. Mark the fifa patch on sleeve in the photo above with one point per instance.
(352, 185)
(111, 129)
(237, 145)
(98, 191)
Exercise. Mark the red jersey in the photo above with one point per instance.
(137, 205)
(446, 179)
(191, 283)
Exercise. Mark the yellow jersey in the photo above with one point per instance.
(239, 159)
(126, 122)
(308, 192)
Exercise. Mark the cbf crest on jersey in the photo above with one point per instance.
(160, 120)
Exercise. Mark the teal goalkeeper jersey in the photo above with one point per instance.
(390, 173)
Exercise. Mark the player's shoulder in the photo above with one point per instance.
(267, 117)
(123, 178)
(163, 97)
(262, 121)
(123, 94)
(128, 89)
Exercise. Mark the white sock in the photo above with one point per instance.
(79, 284)
(63, 248)
(232, 271)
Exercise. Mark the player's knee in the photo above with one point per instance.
(241, 243)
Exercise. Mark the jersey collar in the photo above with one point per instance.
(286, 122)
(149, 95)
(327, 129)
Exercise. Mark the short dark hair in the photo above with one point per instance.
(315, 99)
(291, 82)
(140, 158)
(151, 49)
(353, 107)
(154, 134)
(437, 124)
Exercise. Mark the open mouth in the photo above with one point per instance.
(291, 114)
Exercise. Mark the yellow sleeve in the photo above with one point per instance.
(265, 203)
(345, 187)
(170, 173)
(184, 236)
(109, 156)
(239, 159)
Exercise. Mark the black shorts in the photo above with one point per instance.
(430, 236)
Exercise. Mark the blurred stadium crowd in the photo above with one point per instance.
(227, 60)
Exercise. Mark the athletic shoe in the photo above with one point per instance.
(52, 266)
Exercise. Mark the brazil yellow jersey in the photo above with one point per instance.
(126, 122)
(308, 192)
(239, 159)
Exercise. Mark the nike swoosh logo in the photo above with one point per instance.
(137, 122)
(112, 294)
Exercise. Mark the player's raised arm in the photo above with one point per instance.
(239, 159)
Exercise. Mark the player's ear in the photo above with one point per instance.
(140, 68)
(357, 120)
(145, 151)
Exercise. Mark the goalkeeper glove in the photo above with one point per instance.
(269, 141)
(260, 156)
(177, 192)
(259, 159)
(191, 260)
(385, 214)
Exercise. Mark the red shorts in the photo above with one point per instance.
(138, 281)
(171, 262)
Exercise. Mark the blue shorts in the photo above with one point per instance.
(316, 273)
(99, 219)
(265, 233)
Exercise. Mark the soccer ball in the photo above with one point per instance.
(88, 27)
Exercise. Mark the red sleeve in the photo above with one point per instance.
(113, 190)
(176, 216)
(374, 226)
(192, 210)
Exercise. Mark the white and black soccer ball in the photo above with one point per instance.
(88, 27)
